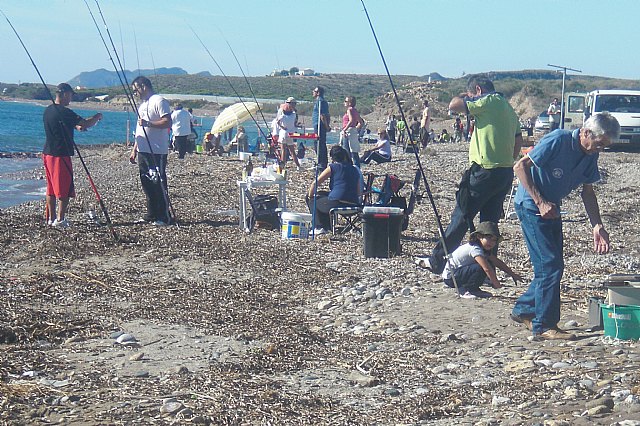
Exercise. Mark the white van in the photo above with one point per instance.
(574, 103)
(624, 105)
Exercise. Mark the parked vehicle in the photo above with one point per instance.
(542, 122)
(624, 105)
(574, 110)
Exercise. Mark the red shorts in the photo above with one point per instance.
(59, 171)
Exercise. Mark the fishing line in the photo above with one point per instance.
(153, 63)
(122, 44)
(248, 83)
(227, 79)
(267, 138)
(157, 177)
(135, 40)
(415, 150)
(66, 136)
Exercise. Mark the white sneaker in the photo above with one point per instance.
(319, 231)
(468, 295)
(50, 222)
(423, 262)
(64, 223)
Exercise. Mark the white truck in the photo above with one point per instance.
(624, 105)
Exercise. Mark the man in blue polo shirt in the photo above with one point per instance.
(562, 161)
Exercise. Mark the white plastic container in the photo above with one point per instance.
(295, 225)
(382, 210)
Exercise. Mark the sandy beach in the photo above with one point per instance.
(233, 328)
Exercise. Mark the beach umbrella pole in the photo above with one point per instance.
(315, 200)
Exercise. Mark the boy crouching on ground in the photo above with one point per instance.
(473, 263)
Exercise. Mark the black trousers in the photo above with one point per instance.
(323, 205)
(154, 186)
(468, 278)
(321, 148)
(181, 144)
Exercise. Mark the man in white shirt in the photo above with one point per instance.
(151, 148)
(181, 129)
(424, 124)
(554, 115)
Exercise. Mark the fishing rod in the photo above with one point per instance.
(124, 62)
(268, 139)
(68, 141)
(415, 151)
(246, 81)
(229, 82)
(156, 177)
(122, 77)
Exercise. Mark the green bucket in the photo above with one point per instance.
(199, 149)
(621, 321)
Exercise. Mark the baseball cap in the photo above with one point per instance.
(291, 100)
(64, 87)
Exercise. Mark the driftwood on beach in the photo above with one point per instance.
(226, 327)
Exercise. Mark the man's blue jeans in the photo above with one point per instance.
(488, 189)
(541, 301)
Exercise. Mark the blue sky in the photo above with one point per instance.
(330, 36)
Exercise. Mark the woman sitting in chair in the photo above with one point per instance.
(344, 184)
(381, 152)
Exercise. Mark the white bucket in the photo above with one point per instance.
(295, 225)
(244, 156)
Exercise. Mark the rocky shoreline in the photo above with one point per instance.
(203, 323)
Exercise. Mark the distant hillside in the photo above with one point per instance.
(434, 76)
(105, 78)
(529, 91)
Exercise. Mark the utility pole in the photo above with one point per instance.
(564, 75)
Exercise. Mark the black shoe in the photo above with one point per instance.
(480, 293)
(437, 264)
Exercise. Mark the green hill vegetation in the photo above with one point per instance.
(372, 91)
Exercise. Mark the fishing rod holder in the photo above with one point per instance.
(153, 175)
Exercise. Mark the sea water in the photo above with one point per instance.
(14, 192)
(21, 130)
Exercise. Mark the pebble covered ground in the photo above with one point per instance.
(203, 323)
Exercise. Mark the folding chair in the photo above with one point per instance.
(509, 213)
(351, 216)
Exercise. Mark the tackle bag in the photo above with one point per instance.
(263, 211)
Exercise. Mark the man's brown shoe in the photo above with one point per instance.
(555, 334)
(522, 320)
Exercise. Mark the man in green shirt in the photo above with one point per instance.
(401, 127)
(495, 144)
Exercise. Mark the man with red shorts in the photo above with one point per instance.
(59, 124)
